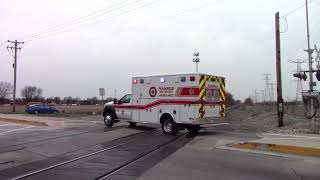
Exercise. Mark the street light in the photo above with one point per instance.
(196, 59)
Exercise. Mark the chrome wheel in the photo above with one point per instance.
(167, 126)
(108, 120)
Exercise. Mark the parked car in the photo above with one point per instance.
(40, 108)
(33, 103)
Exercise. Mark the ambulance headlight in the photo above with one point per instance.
(162, 80)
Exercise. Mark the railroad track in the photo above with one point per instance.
(229, 109)
(125, 165)
(144, 144)
(8, 148)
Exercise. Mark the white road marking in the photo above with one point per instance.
(16, 130)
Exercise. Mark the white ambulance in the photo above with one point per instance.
(178, 101)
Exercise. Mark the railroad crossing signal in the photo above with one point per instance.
(300, 75)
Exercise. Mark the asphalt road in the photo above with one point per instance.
(201, 157)
(206, 158)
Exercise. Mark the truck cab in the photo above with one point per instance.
(112, 113)
(123, 113)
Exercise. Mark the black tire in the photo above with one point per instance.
(54, 112)
(193, 129)
(132, 124)
(108, 119)
(169, 126)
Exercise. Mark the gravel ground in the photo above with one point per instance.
(265, 119)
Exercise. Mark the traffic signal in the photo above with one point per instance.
(318, 75)
(303, 76)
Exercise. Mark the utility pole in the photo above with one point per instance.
(196, 59)
(309, 51)
(280, 107)
(16, 48)
(317, 59)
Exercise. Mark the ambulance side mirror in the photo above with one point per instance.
(115, 101)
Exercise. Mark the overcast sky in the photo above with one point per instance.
(68, 53)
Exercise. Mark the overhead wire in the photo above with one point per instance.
(10, 53)
(86, 20)
(286, 25)
(50, 28)
(296, 9)
(181, 12)
(284, 17)
(125, 12)
(3, 43)
(99, 21)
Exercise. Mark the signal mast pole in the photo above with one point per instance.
(280, 107)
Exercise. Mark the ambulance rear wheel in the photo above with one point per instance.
(132, 124)
(108, 119)
(193, 129)
(169, 127)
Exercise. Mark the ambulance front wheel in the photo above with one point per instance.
(169, 127)
(108, 119)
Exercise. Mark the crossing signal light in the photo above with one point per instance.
(318, 75)
(302, 76)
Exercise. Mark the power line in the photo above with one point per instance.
(296, 9)
(50, 28)
(286, 24)
(184, 11)
(86, 19)
(2, 44)
(284, 17)
(100, 21)
(10, 53)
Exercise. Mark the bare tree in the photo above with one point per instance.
(5, 90)
(30, 93)
(229, 99)
(248, 101)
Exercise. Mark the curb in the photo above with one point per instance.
(279, 148)
(21, 121)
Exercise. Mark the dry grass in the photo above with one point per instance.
(81, 109)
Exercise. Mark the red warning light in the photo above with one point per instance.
(135, 81)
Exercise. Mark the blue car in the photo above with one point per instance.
(40, 108)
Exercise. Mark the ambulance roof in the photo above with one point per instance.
(175, 74)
